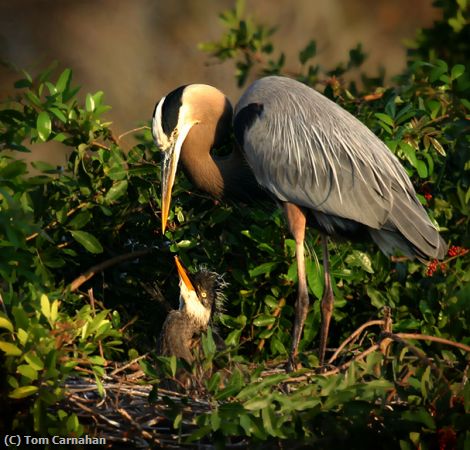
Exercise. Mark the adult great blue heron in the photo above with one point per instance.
(324, 166)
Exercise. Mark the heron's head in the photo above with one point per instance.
(200, 294)
(188, 118)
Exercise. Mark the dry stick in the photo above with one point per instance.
(127, 416)
(75, 284)
(353, 336)
(132, 131)
(415, 350)
(426, 337)
(99, 145)
(386, 328)
(129, 364)
(91, 411)
(156, 293)
(337, 369)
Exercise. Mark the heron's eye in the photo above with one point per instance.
(203, 295)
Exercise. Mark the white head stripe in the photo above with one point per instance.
(160, 137)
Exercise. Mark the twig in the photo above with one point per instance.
(55, 222)
(129, 364)
(105, 265)
(426, 337)
(353, 336)
(127, 416)
(99, 145)
(145, 127)
(415, 350)
(358, 357)
(155, 292)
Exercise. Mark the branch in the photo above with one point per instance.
(415, 350)
(354, 336)
(426, 337)
(92, 271)
(145, 127)
(55, 222)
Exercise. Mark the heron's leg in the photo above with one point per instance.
(297, 220)
(327, 302)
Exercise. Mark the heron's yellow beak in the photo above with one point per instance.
(171, 157)
(183, 274)
(169, 165)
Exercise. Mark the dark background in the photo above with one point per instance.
(136, 51)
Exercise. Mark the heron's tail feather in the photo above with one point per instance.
(409, 230)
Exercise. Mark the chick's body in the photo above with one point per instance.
(180, 335)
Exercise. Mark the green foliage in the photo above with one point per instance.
(104, 203)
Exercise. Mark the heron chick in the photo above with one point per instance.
(200, 299)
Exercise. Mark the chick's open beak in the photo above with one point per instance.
(183, 274)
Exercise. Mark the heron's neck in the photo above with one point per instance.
(219, 176)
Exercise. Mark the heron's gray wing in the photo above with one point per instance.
(305, 149)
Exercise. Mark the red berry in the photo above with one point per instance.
(432, 266)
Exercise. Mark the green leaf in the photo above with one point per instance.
(87, 240)
(385, 118)
(308, 52)
(5, 323)
(214, 382)
(58, 113)
(64, 80)
(80, 220)
(420, 416)
(13, 169)
(23, 391)
(360, 259)
(43, 125)
(409, 152)
(23, 83)
(173, 365)
(422, 168)
(457, 71)
(118, 189)
(54, 310)
(27, 371)
(10, 349)
(34, 361)
(43, 166)
(89, 103)
(377, 298)
(262, 269)
(264, 320)
(45, 306)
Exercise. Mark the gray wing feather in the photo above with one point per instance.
(306, 149)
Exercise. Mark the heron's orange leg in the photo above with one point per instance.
(297, 220)
(327, 302)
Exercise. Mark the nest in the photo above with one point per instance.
(129, 413)
(126, 418)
